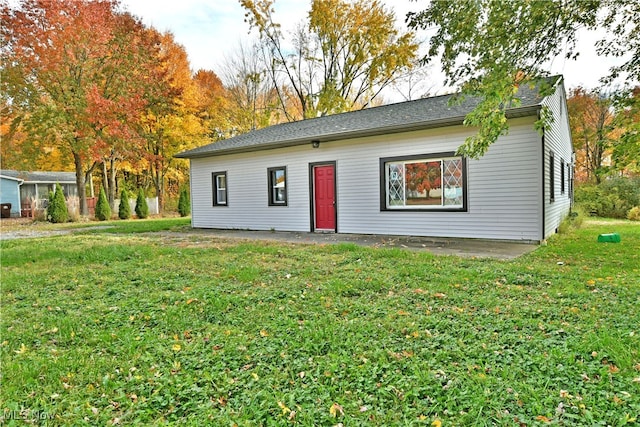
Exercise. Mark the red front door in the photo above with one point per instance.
(324, 197)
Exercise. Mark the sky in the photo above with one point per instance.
(211, 29)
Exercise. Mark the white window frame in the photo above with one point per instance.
(274, 188)
(218, 189)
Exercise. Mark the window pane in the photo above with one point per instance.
(219, 188)
(423, 183)
(395, 178)
(278, 186)
(452, 176)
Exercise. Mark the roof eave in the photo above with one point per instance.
(531, 110)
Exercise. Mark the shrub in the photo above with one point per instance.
(613, 198)
(571, 221)
(142, 208)
(634, 214)
(103, 210)
(124, 211)
(57, 209)
(184, 204)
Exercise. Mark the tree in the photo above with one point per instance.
(124, 210)
(342, 58)
(490, 47)
(171, 122)
(103, 210)
(626, 151)
(57, 209)
(74, 72)
(184, 204)
(142, 208)
(591, 120)
(250, 94)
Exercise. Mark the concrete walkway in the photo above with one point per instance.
(441, 246)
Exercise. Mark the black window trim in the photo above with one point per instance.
(270, 185)
(428, 156)
(214, 186)
(562, 176)
(552, 177)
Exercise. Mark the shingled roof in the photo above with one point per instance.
(41, 177)
(392, 118)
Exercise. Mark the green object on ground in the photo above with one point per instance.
(610, 237)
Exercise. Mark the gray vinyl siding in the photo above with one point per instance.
(503, 188)
(557, 139)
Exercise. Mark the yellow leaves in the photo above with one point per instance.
(176, 347)
(22, 350)
(284, 408)
(543, 419)
(336, 410)
(264, 333)
(436, 423)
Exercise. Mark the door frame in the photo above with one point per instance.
(312, 166)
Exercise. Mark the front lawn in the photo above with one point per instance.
(115, 328)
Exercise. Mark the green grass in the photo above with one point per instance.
(112, 327)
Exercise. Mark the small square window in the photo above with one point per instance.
(277, 178)
(219, 180)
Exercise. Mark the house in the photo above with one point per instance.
(34, 188)
(9, 195)
(392, 170)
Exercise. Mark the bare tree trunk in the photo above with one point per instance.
(82, 195)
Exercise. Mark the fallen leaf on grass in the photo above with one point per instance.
(543, 419)
(335, 410)
(440, 295)
(284, 408)
(264, 333)
(436, 423)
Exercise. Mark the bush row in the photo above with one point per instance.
(57, 211)
(613, 198)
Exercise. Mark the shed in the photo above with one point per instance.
(392, 170)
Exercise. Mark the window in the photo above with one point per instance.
(562, 176)
(277, 186)
(569, 180)
(426, 182)
(219, 188)
(552, 177)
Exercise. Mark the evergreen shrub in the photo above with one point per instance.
(184, 204)
(142, 208)
(57, 209)
(124, 211)
(103, 210)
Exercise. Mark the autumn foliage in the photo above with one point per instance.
(107, 96)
